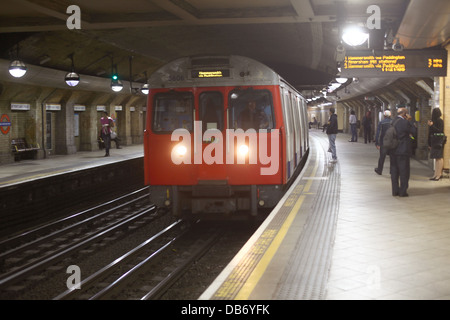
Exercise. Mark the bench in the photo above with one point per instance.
(20, 148)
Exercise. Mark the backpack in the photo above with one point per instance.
(390, 140)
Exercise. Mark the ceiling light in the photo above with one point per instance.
(116, 85)
(145, 89)
(17, 69)
(72, 79)
(354, 36)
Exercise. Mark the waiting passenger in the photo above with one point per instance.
(436, 141)
(332, 130)
(105, 133)
(381, 130)
(400, 157)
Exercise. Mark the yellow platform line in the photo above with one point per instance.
(262, 265)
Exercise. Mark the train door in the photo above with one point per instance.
(211, 115)
(304, 112)
(297, 127)
(287, 117)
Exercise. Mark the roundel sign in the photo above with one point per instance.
(5, 123)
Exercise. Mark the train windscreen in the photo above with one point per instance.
(173, 111)
(251, 109)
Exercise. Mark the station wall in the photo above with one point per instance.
(64, 121)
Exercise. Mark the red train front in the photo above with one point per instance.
(224, 136)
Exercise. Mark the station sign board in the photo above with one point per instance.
(406, 63)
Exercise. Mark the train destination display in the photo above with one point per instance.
(210, 73)
(406, 63)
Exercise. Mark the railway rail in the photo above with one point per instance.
(29, 253)
(149, 269)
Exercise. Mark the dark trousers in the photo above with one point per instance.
(383, 153)
(367, 134)
(107, 140)
(400, 171)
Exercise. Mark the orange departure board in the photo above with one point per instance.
(406, 63)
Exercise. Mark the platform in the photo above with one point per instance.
(26, 170)
(340, 234)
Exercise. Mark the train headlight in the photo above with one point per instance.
(243, 150)
(180, 154)
(180, 151)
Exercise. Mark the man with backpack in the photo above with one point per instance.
(383, 126)
(400, 156)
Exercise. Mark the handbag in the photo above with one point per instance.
(438, 140)
(113, 135)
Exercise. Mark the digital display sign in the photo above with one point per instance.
(210, 73)
(406, 63)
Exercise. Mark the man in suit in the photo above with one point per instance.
(381, 130)
(400, 157)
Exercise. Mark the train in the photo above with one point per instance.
(225, 136)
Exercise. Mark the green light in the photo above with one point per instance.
(115, 77)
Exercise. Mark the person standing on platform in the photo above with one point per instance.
(381, 130)
(332, 130)
(436, 141)
(352, 120)
(107, 123)
(400, 157)
(367, 124)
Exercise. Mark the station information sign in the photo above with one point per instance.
(406, 63)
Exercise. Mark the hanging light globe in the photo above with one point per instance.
(17, 69)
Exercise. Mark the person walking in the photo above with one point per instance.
(332, 130)
(353, 120)
(436, 141)
(400, 156)
(381, 130)
(106, 123)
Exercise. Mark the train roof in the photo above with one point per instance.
(200, 71)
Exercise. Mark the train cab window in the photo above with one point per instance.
(211, 110)
(251, 109)
(173, 111)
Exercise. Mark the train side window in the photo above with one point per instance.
(251, 109)
(173, 111)
(211, 110)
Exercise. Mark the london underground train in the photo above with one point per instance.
(224, 136)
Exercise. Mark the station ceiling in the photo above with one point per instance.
(296, 38)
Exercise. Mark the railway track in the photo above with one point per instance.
(28, 257)
(149, 269)
(124, 249)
